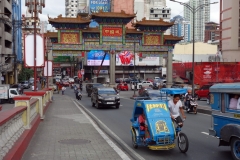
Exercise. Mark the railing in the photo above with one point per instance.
(11, 128)
(16, 123)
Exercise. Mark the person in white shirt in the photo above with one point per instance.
(234, 102)
(175, 106)
(238, 103)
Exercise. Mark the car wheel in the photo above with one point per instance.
(117, 106)
(93, 104)
(197, 97)
(97, 105)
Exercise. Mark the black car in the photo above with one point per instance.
(90, 86)
(153, 95)
(104, 97)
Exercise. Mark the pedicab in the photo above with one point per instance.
(161, 128)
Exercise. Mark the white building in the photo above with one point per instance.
(201, 17)
(72, 7)
(139, 8)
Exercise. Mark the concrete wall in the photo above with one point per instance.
(200, 48)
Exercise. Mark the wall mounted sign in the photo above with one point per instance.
(70, 38)
(152, 40)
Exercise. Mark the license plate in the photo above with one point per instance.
(237, 116)
(110, 102)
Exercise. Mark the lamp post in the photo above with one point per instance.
(194, 10)
(35, 6)
(134, 48)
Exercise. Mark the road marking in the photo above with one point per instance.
(205, 114)
(113, 145)
(205, 133)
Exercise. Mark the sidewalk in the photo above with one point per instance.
(67, 134)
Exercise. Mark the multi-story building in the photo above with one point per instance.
(73, 7)
(123, 5)
(6, 44)
(158, 9)
(211, 32)
(181, 28)
(201, 17)
(230, 30)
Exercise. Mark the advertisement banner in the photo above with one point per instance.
(94, 58)
(96, 5)
(126, 58)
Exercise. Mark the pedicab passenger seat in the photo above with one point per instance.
(136, 125)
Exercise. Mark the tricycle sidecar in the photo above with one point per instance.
(160, 125)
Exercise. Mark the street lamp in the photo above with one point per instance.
(36, 7)
(194, 10)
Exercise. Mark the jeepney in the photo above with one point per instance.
(225, 119)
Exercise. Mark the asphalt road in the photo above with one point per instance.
(201, 146)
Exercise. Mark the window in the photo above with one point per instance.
(13, 92)
(151, 11)
(155, 15)
(222, 102)
(163, 11)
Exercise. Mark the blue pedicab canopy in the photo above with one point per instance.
(157, 117)
(174, 90)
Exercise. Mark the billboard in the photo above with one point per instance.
(94, 58)
(126, 58)
(96, 5)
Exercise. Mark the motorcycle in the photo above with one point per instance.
(78, 95)
(155, 86)
(192, 106)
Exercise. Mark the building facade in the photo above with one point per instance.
(75, 7)
(123, 5)
(6, 42)
(181, 28)
(230, 30)
(211, 32)
(201, 17)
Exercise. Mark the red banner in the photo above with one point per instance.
(209, 72)
(111, 32)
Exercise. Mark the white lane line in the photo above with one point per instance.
(116, 148)
(205, 133)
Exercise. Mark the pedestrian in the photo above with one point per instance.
(63, 89)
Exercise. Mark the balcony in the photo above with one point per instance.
(8, 51)
(8, 36)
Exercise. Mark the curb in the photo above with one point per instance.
(106, 130)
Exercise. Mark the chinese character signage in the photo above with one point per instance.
(95, 57)
(111, 32)
(152, 40)
(96, 5)
(126, 58)
(70, 38)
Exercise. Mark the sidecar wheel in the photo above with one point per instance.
(183, 142)
(134, 141)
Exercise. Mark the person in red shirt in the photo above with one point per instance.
(143, 125)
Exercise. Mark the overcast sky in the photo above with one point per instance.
(55, 7)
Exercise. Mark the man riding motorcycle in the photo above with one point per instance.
(189, 97)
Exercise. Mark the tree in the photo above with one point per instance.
(25, 74)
